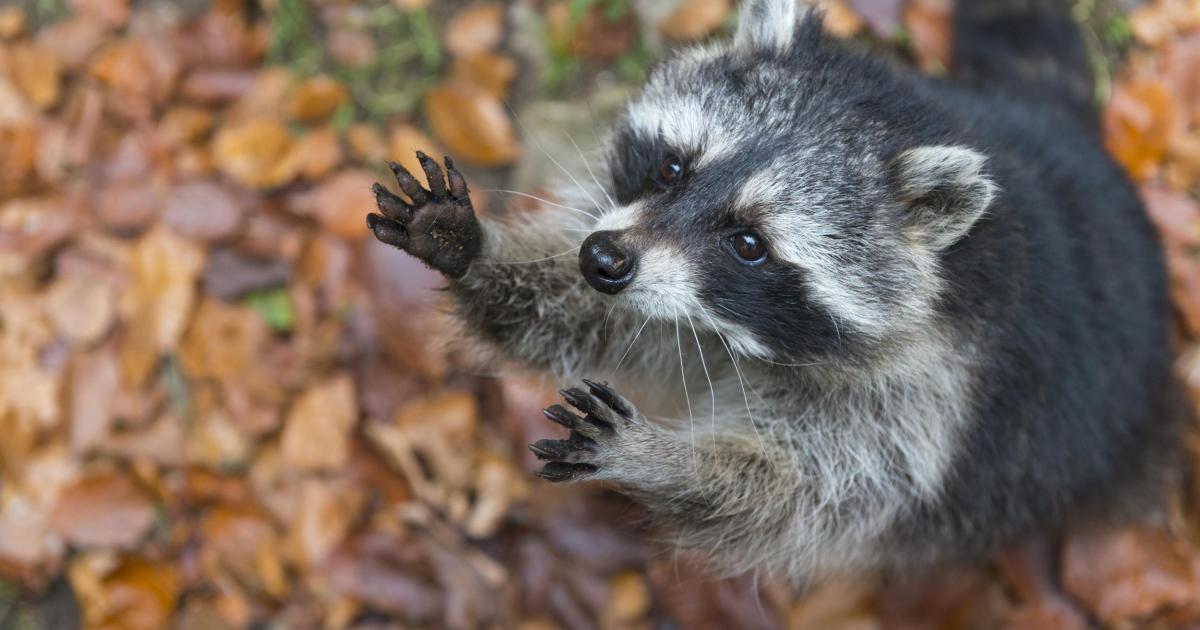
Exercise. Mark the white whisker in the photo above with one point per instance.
(526, 262)
(711, 390)
(635, 338)
(741, 381)
(686, 397)
(545, 201)
(538, 144)
(611, 203)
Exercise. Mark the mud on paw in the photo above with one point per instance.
(605, 415)
(439, 225)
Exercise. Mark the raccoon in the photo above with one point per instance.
(871, 320)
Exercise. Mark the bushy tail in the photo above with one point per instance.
(1032, 49)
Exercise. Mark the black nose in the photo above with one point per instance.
(605, 265)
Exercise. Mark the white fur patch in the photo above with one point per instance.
(766, 25)
(958, 172)
(686, 125)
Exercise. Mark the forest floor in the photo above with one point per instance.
(223, 406)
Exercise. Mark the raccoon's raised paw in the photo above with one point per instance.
(582, 455)
(439, 226)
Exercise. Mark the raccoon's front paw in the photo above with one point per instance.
(595, 436)
(439, 227)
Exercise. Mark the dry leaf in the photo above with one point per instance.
(318, 426)
(103, 511)
(403, 144)
(165, 268)
(326, 510)
(139, 595)
(366, 143)
(695, 19)
(840, 20)
(928, 23)
(317, 154)
(81, 307)
(628, 602)
(340, 203)
(110, 13)
(140, 75)
(475, 29)
(36, 71)
(472, 123)
(315, 99)
(1138, 124)
(12, 22)
(255, 153)
(203, 211)
(184, 124)
(95, 379)
(1123, 576)
(490, 71)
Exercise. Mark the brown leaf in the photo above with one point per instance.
(81, 307)
(317, 154)
(243, 543)
(73, 40)
(183, 124)
(366, 143)
(841, 21)
(18, 150)
(472, 123)
(213, 86)
(629, 600)
(1138, 124)
(138, 595)
(1127, 575)
(140, 75)
(12, 22)
(476, 29)
(255, 153)
(315, 99)
(1181, 69)
(103, 511)
(165, 268)
(341, 203)
(383, 569)
(928, 23)
(403, 144)
(36, 71)
(95, 379)
(694, 19)
(130, 206)
(490, 71)
(317, 432)
(1176, 215)
(326, 511)
(203, 211)
(110, 13)
(352, 47)
(883, 16)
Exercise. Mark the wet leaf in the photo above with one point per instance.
(103, 511)
(472, 123)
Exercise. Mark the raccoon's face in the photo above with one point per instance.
(768, 190)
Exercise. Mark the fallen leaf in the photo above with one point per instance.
(366, 143)
(1124, 576)
(316, 154)
(384, 569)
(37, 73)
(103, 511)
(111, 13)
(928, 23)
(403, 143)
(883, 16)
(73, 41)
(12, 22)
(316, 435)
(82, 308)
(95, 379)
(472, 123)
(214, 86)
(694, 19)
(243, 543)
(130, 206)
(255, 153)
(628, 602)
(1138, 124)
(139, 595)
(492, 72)
(841, 21)
(18, 150)
(475, 29)
(140, 75)
(204, 211)
(183, 124)
(352, 47)
(340, 203)
(326, 511)
(315, 99)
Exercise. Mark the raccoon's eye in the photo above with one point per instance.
(670, 172)
(749, 247)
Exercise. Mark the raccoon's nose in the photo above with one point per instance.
(606, 265)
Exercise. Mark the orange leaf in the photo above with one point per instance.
(255, 153)
(103, 511)
(476, 29)
(472, 123)
(316, 98)
(694, 19)
(1138, 124)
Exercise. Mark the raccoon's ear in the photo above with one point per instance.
(766, 25)
(944, 191)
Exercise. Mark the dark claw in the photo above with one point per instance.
(387, 230)
(560, 415)
(409, 184)
(551, 449)
(390, 205)
(610, 397)
(562, 471)
(579, 399)
(433, 175)
(458, 184)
